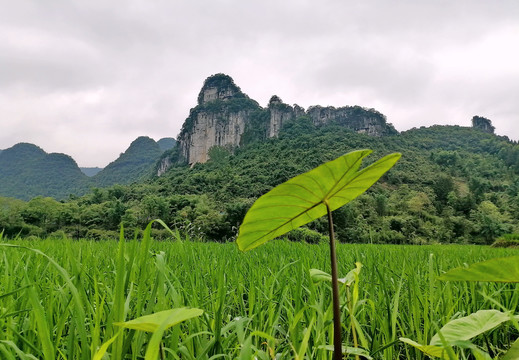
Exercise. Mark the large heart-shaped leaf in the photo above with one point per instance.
(513, 352)
(152, 322)
(305, 197)
(431, 350)
(494, 270)
(467, 327)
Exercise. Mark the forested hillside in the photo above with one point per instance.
(452, 185)
(134, 164)
(27, 171)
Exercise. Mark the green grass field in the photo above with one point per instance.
(60, 301)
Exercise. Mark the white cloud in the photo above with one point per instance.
(87, 77)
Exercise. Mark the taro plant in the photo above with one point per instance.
(310, 196)
(155, 323)
(350, 286)
(459, 332)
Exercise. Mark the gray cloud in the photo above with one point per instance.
(87, 77)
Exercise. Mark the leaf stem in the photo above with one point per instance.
(337, 338)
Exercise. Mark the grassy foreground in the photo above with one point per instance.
(60, 299)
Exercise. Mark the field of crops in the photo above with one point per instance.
(59, 299)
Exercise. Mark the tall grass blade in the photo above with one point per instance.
(20, 353)
(42, 325)
(78, 314)
(103, 348)
(119, 295)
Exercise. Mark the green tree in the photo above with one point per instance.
(490, 223)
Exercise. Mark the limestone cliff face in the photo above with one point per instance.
(358, 119)
(483, 124)
(219, 119)
(279, 114)
(212, 129)
(225, 116)
(163, 165)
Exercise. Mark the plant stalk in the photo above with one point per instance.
(353, 332)
(337, 338)
(161, 351)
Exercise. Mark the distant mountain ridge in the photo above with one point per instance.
(90, 171)
(27, 171)
(224, 117)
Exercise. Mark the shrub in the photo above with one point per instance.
(307, 235)
(95, 234)
(507, 240)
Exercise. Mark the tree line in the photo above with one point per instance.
(452, 185)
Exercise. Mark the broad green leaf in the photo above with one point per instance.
(358, 351)
(494, 270)
(513, 352)
(152, 322)
(476, 351)
(431, 350)
(352, 275)
(349, 350)
(480, 354)
(467, 327)
(318, 275)
(167, 319)
(305, 197)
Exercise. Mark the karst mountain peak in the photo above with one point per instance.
(226, 116)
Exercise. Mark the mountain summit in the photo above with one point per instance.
(225, 116)
(219, 87)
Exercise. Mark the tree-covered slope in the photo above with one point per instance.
(452, 185)
(166, 143)
(27, 171)
(136, 163)
(90, 171)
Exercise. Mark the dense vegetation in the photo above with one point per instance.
(133, 165)
(263, 308)
(453, 184)
(26, 171)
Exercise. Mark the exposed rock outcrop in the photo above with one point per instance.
(358, 119)
(211, 129)
(163, 165)
(483, 124)
(219, 87)
(224, 113)
(219, 119)
(279, 114)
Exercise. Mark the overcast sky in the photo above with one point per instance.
(88, 77)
